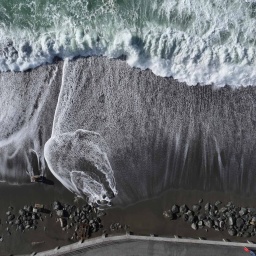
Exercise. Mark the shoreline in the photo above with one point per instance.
(143, 218)
(162, 136)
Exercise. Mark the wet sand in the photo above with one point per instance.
(143, 218)
(162, 134)
(17, 197)
(146, 217)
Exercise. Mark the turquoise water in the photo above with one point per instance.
(201, 41)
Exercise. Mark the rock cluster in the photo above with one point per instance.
(238, 221)
(27, 218)
(117, 226)
(83, 220)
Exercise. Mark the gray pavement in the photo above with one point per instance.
(150, 246)
(156, 248)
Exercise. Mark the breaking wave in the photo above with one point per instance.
(194, 41)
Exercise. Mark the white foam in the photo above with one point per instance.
(79, 160)
(201, 42)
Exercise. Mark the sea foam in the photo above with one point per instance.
(79, 160)
(206, 42)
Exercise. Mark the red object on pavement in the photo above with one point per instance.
(246, 249)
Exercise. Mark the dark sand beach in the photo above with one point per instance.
(143, 218)
(168, 144)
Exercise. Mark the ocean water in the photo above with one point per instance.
(201, 41)
(104, 128)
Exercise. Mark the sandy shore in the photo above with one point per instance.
(143, 218)
(197, 141)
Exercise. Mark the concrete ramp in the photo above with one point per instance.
(130, 245)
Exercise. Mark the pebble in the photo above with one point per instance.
(69, 215)
(237, 221)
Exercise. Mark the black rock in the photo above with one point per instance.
(223, 209)
(189, 213)
(213, 207)
(222, 217)
(218, 203)
(191, 218)
(252, 211)
(232, 232)
(212, 213)
(60, 213)
(229, 204)
(172, 216)
(196, 207)
(239, 223)
(246, 218)
(28, 208)
(65, 206)
(178, 215)
(208, 223)
(21, 212)
(56, 206)
(243, 211)
(175, 208)
(194, 226)
(17, 222)
(200, 201)
(34, 217)
(250, 228)
(200, 224)
(185, 217)
(222, 224)
(88, 208)
(231, 221)
(253, 220)
(207, 207)
(11, 217)
(183, 208)
(243, 228)
(237, 209)
(202, 216)
(216, 223)
(168, 214)
(246, 234)
(239, 234)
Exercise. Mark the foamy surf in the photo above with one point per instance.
(79, 161)
(206, 42)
